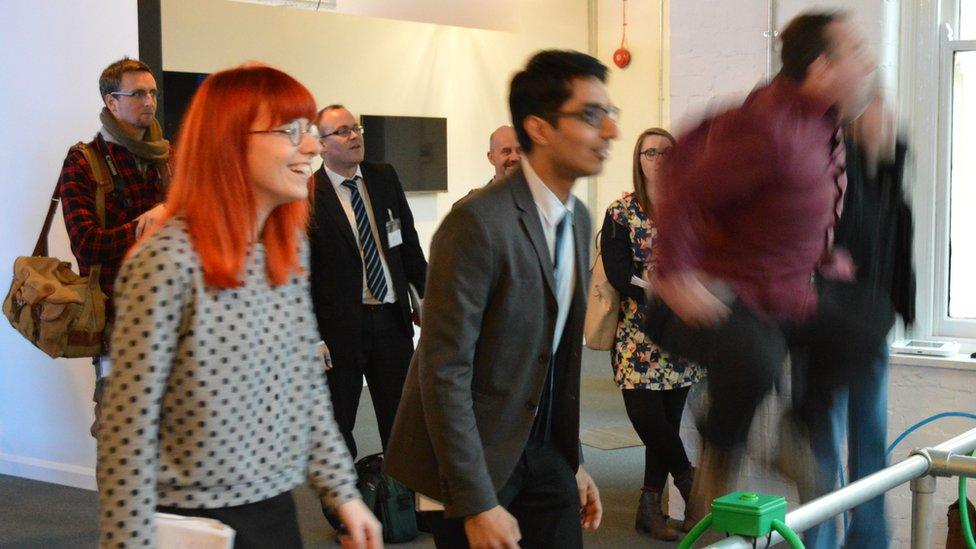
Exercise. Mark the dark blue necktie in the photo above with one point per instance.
(375, 279)
(542, 427)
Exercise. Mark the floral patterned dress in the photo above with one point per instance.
(637, 362)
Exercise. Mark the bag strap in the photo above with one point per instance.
(40, 248)
(103, 172)
(103, 181)
(596, 246)
(99, 171)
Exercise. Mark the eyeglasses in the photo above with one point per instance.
(652, 153)
(346, 131)
(594, 115)
(138, 95)
(294, 130)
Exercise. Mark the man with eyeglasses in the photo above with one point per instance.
(365, 257)
(488, 428)
(136, 157)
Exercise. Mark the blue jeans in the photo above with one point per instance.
(863, 409)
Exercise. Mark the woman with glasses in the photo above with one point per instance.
(654, 384)
(217, 404)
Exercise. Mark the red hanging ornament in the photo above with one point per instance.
(621, 57)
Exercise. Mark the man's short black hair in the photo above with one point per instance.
(546, 83)
(803, 40)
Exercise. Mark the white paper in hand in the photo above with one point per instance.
(178, 532)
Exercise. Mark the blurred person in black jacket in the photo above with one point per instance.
(876, 227)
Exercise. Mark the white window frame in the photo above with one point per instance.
(944, 325)
(924, 102)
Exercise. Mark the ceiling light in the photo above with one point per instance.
(314, 5)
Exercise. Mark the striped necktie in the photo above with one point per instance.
(375, 279)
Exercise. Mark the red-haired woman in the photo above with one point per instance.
(217, 404)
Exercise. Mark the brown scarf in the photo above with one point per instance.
(151, 148)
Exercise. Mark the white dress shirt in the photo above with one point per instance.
(551, 211)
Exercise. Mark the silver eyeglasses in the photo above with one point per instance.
(138, 95)
(294, 130)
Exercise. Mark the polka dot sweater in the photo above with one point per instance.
(216, 397)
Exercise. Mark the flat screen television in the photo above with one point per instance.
(179, 88)
(416, 146)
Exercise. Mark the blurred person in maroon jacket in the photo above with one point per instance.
(745, 220)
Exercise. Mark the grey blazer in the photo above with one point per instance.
(476, 378)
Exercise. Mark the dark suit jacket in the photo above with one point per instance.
(475, 381)
(337, 267)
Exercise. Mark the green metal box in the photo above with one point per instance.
(747, 513)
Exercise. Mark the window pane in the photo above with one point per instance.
(967, 19)
(962, 236)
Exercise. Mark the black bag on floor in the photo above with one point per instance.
(954, 537)
(391, 502)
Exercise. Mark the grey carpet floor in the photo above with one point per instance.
(40, 515)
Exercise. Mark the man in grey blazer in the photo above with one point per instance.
(488, 425)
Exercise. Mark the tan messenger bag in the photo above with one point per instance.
(60, 312)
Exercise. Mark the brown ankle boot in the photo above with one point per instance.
(650, 519)
(716, 474)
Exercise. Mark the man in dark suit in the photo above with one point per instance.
(365, 254)
(488, 428)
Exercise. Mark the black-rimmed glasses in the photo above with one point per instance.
(294, 130)
(594, 115)
(652, 153)
(346, 131)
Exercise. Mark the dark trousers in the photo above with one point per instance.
(744, 355)
(541, 494)
(656, 416)
(268, 523)
(383, 355)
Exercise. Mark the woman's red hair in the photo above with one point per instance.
(211, 186)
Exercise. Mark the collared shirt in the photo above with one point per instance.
(551, 211)
(345, 198)
(750, 197)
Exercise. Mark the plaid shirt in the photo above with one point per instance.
(92, 244)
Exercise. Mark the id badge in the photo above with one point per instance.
(393, 236)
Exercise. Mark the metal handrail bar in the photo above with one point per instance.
(856, 493)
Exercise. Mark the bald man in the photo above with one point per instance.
(503, 151)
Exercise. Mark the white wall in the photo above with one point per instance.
(634, 89)
(383, 66)
(480, 14)
(52, 53)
